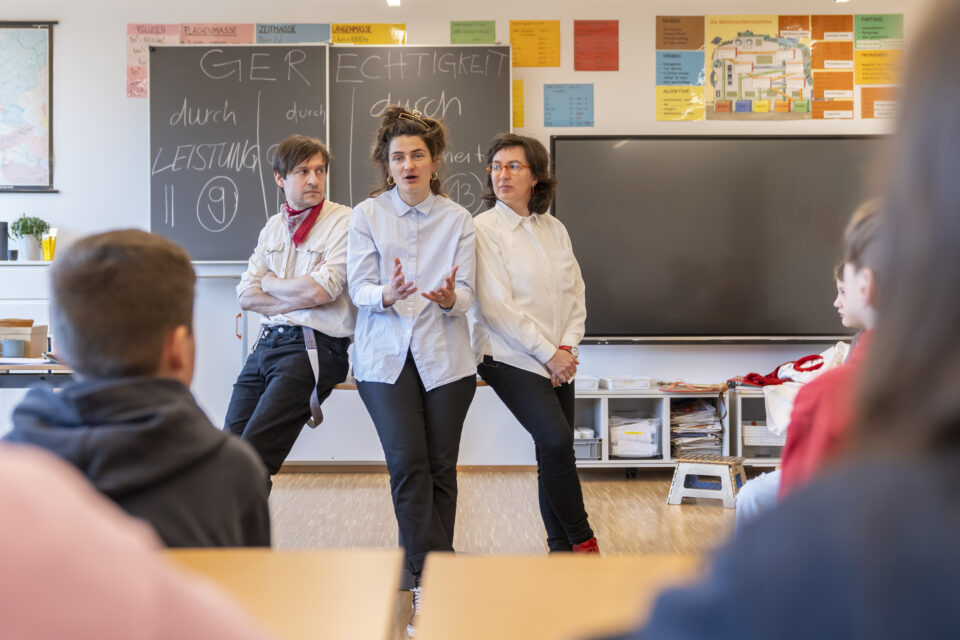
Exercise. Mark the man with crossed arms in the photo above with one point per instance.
(296, 279)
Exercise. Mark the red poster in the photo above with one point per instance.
(596, 45)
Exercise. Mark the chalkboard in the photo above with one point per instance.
(216, 116)
(727, 237)
(468, 87)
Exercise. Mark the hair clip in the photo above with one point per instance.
(414, 115)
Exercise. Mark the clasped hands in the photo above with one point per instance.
(562, 367)
(399, 289)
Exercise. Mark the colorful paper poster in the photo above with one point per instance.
(217, 33)
(832, 109)
(596, 45)
(568, 105)
(536, 43)
(795, 27)
(292, 32)
(881, 31)
(833, 85)
(517, 104)
(679, 33)
(473, 31)
(832, 27)
(879, 102)
(778, 67)
(680, 103)
(878, 67)
(140, 37)
(753, 70)
(828, 54)
(680, 68)
(368, 33)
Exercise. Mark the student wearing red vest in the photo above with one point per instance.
(824, 409)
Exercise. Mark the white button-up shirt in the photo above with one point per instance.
(530, 294)
(429, 238)
(327, 241)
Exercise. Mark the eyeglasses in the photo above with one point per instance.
(495, 168)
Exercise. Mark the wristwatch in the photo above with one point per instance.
(573, 350)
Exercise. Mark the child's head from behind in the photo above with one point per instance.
(122, 305)
(857, 284)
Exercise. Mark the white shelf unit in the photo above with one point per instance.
(594, 408)
(746, 405)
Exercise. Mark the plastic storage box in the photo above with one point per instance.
(587, 448)
(625, 382)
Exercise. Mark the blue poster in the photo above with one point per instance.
(292, 33)
(568, 105)
(680, 69)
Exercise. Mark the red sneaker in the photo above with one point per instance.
(590, 546)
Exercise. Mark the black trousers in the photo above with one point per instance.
(271, 397)
(420, 434)
(548, 415)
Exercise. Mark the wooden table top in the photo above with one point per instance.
(542, 597)
(306, 594)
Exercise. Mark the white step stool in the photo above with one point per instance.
(687, 484)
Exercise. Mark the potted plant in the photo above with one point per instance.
(28, 230)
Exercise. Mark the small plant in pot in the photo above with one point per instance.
(29, 230)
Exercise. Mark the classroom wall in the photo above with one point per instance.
(101, 162)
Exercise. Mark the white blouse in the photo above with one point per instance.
(429, 238)
(530, 294)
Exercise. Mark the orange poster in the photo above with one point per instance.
(794, 26)
(596, 45)
(879, 102)
(833, 85)
(833, 110)
(832, 27)
(831, 55)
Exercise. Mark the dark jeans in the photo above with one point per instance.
(420, 433)
(271, 397)
(548, 414)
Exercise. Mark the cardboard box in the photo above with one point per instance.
(34, 338)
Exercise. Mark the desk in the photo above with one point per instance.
(306, 594)
(542, 597)
(22, 375)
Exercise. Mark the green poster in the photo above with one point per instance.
(473, 31)
(887, 26)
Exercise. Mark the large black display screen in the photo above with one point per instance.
(711, 237)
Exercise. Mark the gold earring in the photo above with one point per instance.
(435, 176)
(390, 180)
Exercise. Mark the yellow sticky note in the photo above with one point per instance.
(680, 103)
(536, 43)
(877, 67)
(368, 33)
(517, 103)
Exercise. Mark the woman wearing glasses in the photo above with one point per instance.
(529, 318)
(411, 356)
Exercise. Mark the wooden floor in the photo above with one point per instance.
(497, 513)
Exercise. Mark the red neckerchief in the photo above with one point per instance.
(303, 227)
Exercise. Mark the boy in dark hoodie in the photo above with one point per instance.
(122, 315)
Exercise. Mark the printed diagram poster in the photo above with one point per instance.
(878, 45)
(680, 68)
(758, 67)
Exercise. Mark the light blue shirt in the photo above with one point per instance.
(429, 239)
